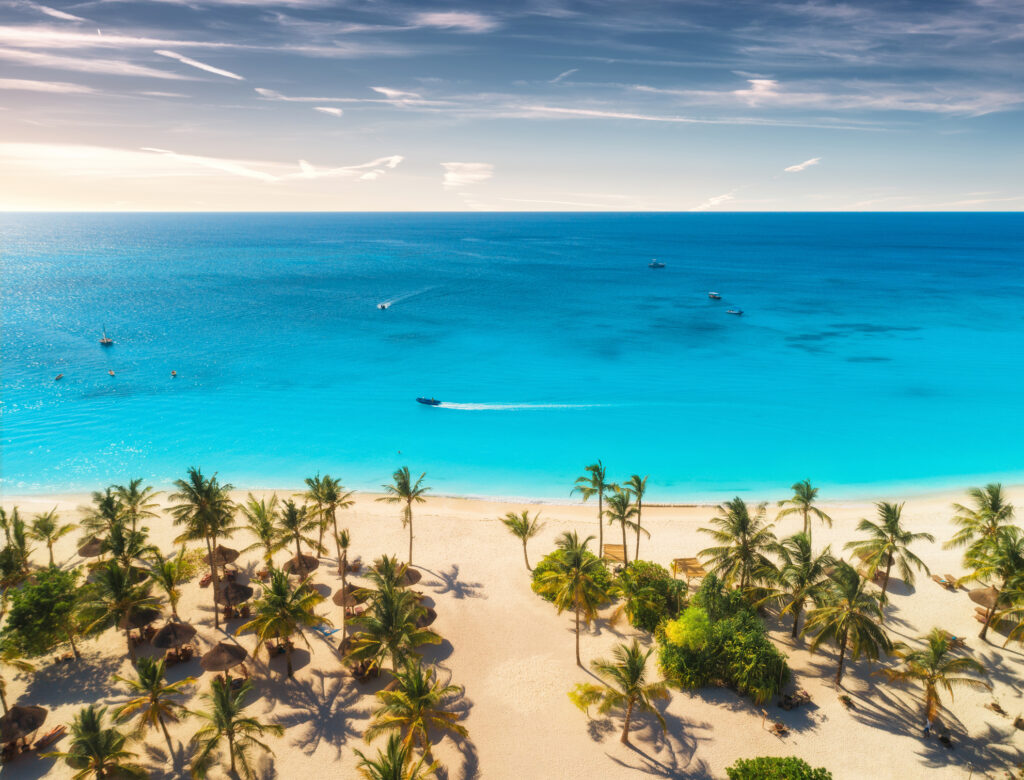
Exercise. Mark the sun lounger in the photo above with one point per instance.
(944, 582)
(355, 611)
(690, 568)
(951, 579)
(614, 552)
(206, 579)
(324, 631)
(53, 735)
(955, 642)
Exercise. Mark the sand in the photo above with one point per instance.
(514, 657)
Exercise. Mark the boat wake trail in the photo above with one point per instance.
(392, 301)
(512, 407)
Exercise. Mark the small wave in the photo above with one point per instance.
(392, 301)
(512, 407)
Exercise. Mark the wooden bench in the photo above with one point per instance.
(614, 552)
(690, 568)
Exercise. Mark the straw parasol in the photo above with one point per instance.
(349, 596)
(224, 656)
(233, 593)
(429, 616)
(139, 618)
(987, 597)
(20, 721)
(411, 576)
(222, 555)
(92, 548)
(173, 634)
(303, 564)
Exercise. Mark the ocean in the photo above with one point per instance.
(876, 353)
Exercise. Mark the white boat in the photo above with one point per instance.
(715, 296)
(655, 264)
(383, 306)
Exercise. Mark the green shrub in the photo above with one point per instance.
(775, 768)
(651, 594)
(41, 615)
(548, 562)
(691, 631)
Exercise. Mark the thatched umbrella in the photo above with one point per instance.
(224, 656)
(349, 596)
(222, 556)
(139, 618)
(92, 548)
(232, 594)
(174, 634)
(20, 721)
(411, 576)
(429, 616)
(987, 597)
(301, 565)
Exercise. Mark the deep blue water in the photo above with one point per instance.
(875, 350)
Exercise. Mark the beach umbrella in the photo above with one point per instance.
(987, 597)
(20, 721)
(138, 618)
(222, 555)
(92, 548)
(303, 564)
(429, 616)
(224, 656)
(173, 634)
(411, 576)
(233, 593)
(349, 596)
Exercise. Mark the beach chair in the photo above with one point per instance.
(324, 631)
(53, 735)
(952, 580)
(355, 611)
(614, 552)
(944, 582)
(690, 568)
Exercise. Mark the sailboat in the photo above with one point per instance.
(106, 341)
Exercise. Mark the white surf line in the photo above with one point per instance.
(391, 302)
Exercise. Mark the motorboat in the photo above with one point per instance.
(429, 401)
(715, 296)
(655, 264)
(174, 373)
(58, 377)
(111, 372)
(737, 312)
(383, 306)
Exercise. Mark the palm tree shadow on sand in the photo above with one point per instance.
(668, 754)
(325, 706)
(449, 583)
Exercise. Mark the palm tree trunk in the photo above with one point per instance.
(807, 524)
(3, 699)
(796, 623)
(213, 570)
(988, 619)
(74, 647)
(885, 584)
(320, 512)
(639, 509)
(131, 647)
(600, 523)
(842, 659)
(298, 549)
(578, 661)
(525, 557)
(231, 752)
(337, 546)
(408, 512)
(625, 544)
(49, 546)
(625, 726)
(288, 657)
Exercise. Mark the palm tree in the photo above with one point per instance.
(573, 583)
(315, 494)
(334, 497)
(97, 751)
(743, 540)
(295, 523)
(980, 524)
(206, 511)
(638, 487)
(388, 629)
(888, 543)
(154, 700)
(136, 501)
(342, 540)
(18, 548)
(46, 528)
(936, 667)
(114, 598)
(282, 611)
(846, 615)
(395, 762)
(801, 576)
(404, 491)
(621, 510)
(1000, 561)
(11, 656)
(126, 546)
(415, 707)
(802, 503)
(105, 511)
(261, 520)
(523, 528)
(624, 686)
(638, 595)
(590, 485)
(225, 721)
(169, 574)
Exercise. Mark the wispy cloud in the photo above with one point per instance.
(55, 14)
(197, 64)
(463, 21)
(62, 87)
(717, 200)
(462, 174)
(563, 74)
(278, 171)
(329, 110)
(85, 64)
(802, 166)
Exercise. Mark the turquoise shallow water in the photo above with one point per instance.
(875, 351)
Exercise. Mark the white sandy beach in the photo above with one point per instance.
(514, 656)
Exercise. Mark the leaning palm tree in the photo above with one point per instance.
(47, 528)
(1001, 564)
(802, 503)
(622, 511)
(169, 574)
(593, 484)
(638, 487)
(623, 686)
(800, 577)
(96, 751)
(395, 762)
(936, 667)
(261, 521)
(981, 523)
(572, 582)
(524, 528)
(404, 491)
(154, 701)
(206, 511)
(388, 630)
(282, 612)
(115, 598)
(335, 497)
(296, 524)
(415, 706)
(226, 722)
(136, 501)
(315, 494)
(849, 617)
(11, 656)
(888, 543)
(743, 539)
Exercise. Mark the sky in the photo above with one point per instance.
(520, 105)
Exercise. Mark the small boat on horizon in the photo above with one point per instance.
(737, 312)
(174, 373)
(106, 341)
(429, 401)
(655, 264)
(111, 372)
(714, 296)
(58, 377)
(383, 306)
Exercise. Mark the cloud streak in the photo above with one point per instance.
(463, 174)
(53, 87)
(462, 21)
(802, 166)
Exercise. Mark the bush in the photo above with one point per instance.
(719, 640)
(41, 616)
(651, 594)
(603, 576)
(773, 768)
